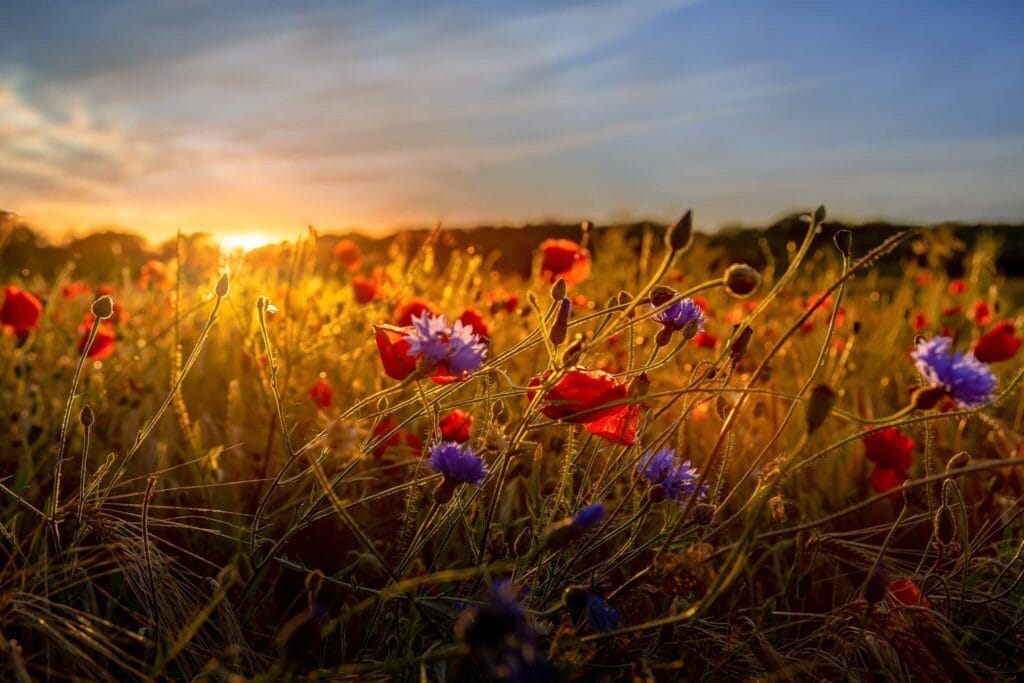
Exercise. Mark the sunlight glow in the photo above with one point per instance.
(245, 241)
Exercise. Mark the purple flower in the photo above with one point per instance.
(458, 463)
(965, 378)
(680, 314)
(675, 479)
(457, 348)
(588, 516)
(600, 615)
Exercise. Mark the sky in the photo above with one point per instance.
(263, 117)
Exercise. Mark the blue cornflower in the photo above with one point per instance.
(966, 379)
(458, 463)
(676, 480)
(466, 352)
(588, 516)
(680, 314)
(600, 615)
(429, 337)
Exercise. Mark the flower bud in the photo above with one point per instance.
(103, 307)
(741, 280)
(560, 328)
(926, 398)
(87, 417)
(662, 294)
(819, 405)
(844, 242)
(222, 286)
(680, 235)
(704, 513)
(961, 459)
(690, 329)
(663, 337)
(739, 346)
(945, 524)
(819, 214)
(559, 289)
(624, 298)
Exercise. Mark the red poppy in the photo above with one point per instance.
(982, 314)
(906, 592)
(102, 345)
(919, 321)
(955, 309)
(499, 298)
(396, 440)
(923, 278)
(892, 453)
(394, 353)
(348, 254)
(154, 273)
(580, 301)
(474, 319)
(704, 304)
(73, 290)
(407, 310)
(705, 340)
(998, 344)
(582, 396)
(957, 286)
(322, 393)
(365, 289)
(822, 310)
(456, 425)
(21, 310)
(564, 259)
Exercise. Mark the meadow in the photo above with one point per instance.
(629, 459)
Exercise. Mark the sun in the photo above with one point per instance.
(246, 241)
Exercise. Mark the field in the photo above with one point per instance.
(627, 459)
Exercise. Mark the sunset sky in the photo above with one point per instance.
(262, 117)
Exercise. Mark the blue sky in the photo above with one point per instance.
(263, 117)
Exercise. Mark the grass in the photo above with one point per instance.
(185, 509)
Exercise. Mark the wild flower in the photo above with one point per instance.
(593, 398)
(21, 310)
(998, 344)
(322, 393)
(680, 315)
(663, 471)
(456, 426)
(348, 254)
(906, 592)
(891, 452)
(963, 377)
(561, 258)
(102, 345)
(474, 320)
(410, 308)
(364, 289)
(458, 463)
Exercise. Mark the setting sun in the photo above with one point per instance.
(245, 241)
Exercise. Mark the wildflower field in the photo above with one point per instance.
(631, 458)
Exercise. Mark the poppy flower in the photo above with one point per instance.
(957, 286)
(982, 314)
(918, 321)
(322, 393)
(705, 340)
(102, 345)
(400, 439)
(410, 308)
(906, 592)
(923, 278)
(822, 310)
(454, 352)
(73, 290)
(394, 352)
(954, 310)
(21, 310)
(348, 255)
(364, 288)
(153, 273)
(998, 344)
(473, 319)
(499, 298)
(582, 396)
(456, 426)
(564, 259)
(892, 453)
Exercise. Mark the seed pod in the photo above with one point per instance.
(560, 328)
(575, 598)
(819, 405)
(819, 214)
(945, 524)
(87, 417)
(704, 513)
(961, 459)
(103, 307)
(559, 289)
(741, 280)
(844, 242)
(739, 346)
(680, 236)
(223, 287)
(926, 398)
(663, 337)
(262, 303)
(662, 294)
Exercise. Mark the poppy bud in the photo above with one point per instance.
(680, 235)
(945, 524)
(521, 545)
(624, 298)
(662, 294)
(690, 329)
(572, 352)
(575, 598)
(222, 286)
(722, 407)
(819, 214)
(926, 398)
(844, 242)
(703, 513)
(961, 459)
(739, 346)
(663, 337)
(612, 302)
(559, 289)
(560, 328)
(741, 280)
(103, 307)
(819, 406)
(87, 417)
(262, 303)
